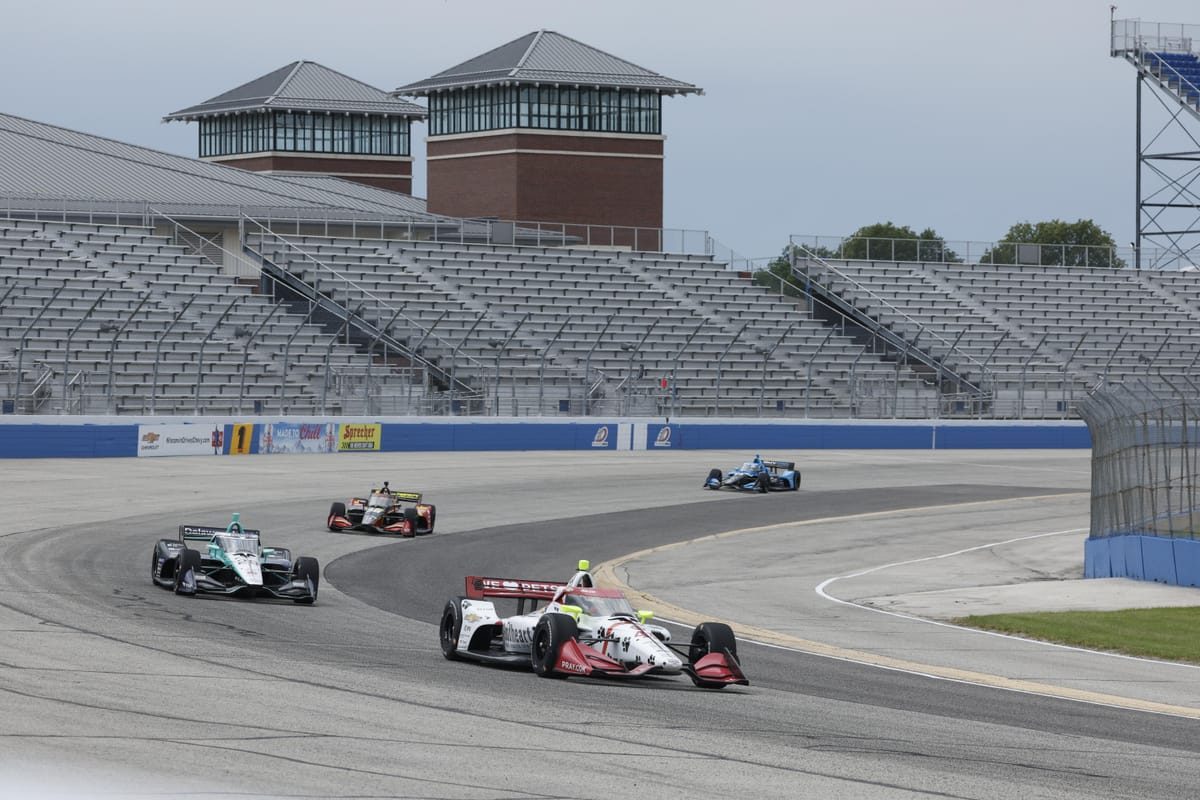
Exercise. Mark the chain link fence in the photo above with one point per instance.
(1145, 444)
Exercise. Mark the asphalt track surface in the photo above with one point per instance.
(110, 687)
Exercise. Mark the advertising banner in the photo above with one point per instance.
(239, 438)
(297, 437)
(359, 437)
(180, 440)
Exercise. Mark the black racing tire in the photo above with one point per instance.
(413, 519)
(713, 473)
(335, 510)
(450, 628)
(796, 485)
(711, 637)
(762, 484)
(432, 517)
(188, 559)
(307, 567)
(552, 631)
(154, 566)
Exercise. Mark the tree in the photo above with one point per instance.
(1067, 244)
(886, 241)
(779, 269)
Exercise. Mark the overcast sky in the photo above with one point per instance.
(817, 117)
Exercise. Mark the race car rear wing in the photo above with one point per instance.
(408, 497)
(205, 533)
(479, 588)
(779, 464)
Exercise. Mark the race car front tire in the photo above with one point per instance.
(335, 510)
(713, 474)
(189, 561)
(712, 637)
(413, 519)
(450, 628)
(550, 634)
(307, 567)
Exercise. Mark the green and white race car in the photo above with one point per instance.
(234, 562)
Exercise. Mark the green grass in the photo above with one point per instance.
(1171, 634)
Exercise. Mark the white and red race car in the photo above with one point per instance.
(581, 630)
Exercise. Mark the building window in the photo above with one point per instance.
(242, 134)
(545, 107)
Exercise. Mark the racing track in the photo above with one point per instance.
(106, 681)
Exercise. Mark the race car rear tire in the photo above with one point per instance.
(450, 629)
(551, 632)
(189, 559)
(335, 510)
(307, 567)
(711, 637)
(713, 474)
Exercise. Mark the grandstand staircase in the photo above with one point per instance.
(926, 356)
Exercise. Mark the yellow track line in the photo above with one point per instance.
(610, 574)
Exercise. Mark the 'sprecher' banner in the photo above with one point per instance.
(179, 440)
(359, 437)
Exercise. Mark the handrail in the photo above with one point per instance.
(350, 282)
(885, 333)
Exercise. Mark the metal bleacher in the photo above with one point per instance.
(151, 327)
(588, 331)
(1013, 327)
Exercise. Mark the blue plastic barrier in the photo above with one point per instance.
(1163, 559)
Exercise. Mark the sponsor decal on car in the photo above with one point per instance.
(571, 666)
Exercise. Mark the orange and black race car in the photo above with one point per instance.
(384, 511)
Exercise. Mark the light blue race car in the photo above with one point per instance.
(757, 476)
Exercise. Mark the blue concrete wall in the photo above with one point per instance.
(1162, 559)
(59, 437)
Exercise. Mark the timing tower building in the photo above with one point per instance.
(547, 128)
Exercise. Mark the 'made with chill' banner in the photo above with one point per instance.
(298, 437)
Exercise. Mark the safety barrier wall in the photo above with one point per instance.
(74, 437)
(1143, 557)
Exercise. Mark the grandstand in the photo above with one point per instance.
(135, 282)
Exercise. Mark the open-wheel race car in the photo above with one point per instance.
(384, 511)
(756, 476)
(581, 630)
(234, 562)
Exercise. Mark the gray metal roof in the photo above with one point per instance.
(39, 160)
(302, 86)
(548, 57)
